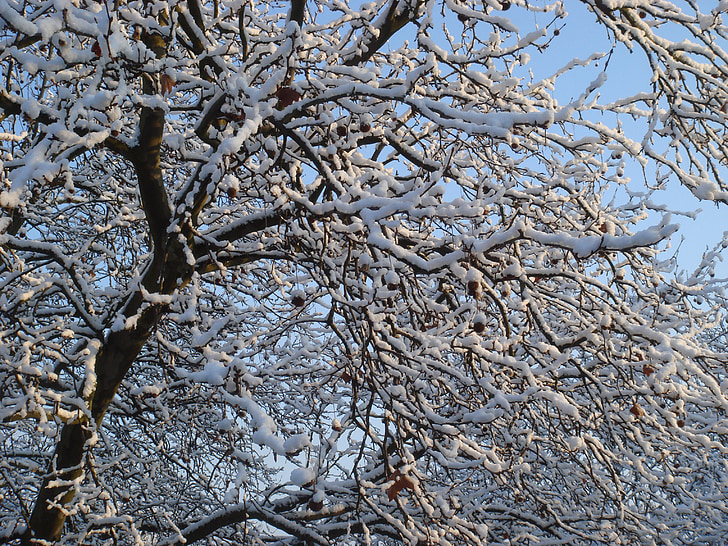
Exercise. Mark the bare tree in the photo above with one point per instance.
(327, 273)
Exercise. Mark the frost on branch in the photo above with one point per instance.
(353, 274)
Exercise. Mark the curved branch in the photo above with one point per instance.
(397, 16)
(243, 512)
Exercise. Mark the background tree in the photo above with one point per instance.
(320, 273)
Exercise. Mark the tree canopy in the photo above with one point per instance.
(331, 273)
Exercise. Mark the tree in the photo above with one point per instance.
(322, 273)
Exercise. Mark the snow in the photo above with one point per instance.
(584, 246)
(391, 277)
(560, 402)
(146, 390)
(47, 26)
(89, 355)
(512, 271)
(303, 476)
(574, 443)
(214, 373)
(15, 20)
(264, 426)
(9, 199)
(483, 416)
(296, 443)
(486, 296)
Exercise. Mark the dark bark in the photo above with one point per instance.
(167, 269)
(155, 201)
(193, 17)
(46, 521)
(115, 359)
(113, 362)
(298, 8)
(393, 21)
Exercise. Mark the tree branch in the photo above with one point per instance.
(296, 14)
(146, 160)
(397, 16)
(246, 511)
(194, 12)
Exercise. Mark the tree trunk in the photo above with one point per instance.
(112, 364)
(121, 347)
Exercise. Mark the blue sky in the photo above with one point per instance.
(579, 36)
(627, 73)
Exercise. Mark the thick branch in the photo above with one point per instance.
(254, 223)
(297, 11)
(396, 17)
(12, 106)
(284, 514)
(193, 16)
(246, 511)
(146, 159)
